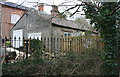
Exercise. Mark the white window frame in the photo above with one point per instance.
(18, 42)
(14, 18)
(34, 35)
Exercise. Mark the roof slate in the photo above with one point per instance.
(64, 22)
(61, 21)
(14, 5)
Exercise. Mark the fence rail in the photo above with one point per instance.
(69, 44)
(52, 44)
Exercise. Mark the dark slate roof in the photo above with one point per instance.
(61, 21)
(65, 23)
(14, 5)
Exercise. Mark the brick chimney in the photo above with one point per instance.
(54, 11)
(41, 7)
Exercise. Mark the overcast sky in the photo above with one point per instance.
(51, 2)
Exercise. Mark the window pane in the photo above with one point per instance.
(14, 18)
(69, 34)
(65, 34)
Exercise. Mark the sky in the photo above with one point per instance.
(32, 3)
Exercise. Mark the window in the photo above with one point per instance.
(34, 36)
(66, 34)
(14, 18)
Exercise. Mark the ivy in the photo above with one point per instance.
(37, 46)
(107, 22)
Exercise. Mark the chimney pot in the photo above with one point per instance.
(41, 7)
(54, 11)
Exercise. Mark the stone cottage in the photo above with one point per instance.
(36, 24)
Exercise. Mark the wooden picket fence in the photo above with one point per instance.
(54, 45)
(70, 44)
(64, 44)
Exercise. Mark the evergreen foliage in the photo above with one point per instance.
(106, 18)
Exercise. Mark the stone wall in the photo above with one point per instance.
(59, 31)
(34, 24)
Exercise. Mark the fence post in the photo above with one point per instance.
(60, 44)
(26, 49)
(5, 45)
(70, 44)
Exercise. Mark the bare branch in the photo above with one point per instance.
(66, 2)
(72, 8)
(86, 3)
(22, 3)
(75, 11)
(17, 1)
(117, 8)
(69, 9)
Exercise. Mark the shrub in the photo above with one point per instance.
(7, 43)
(37, 46)
(73, 63)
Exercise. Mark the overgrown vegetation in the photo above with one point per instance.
(66, 63)
(73, 63)
(106, 18)
(37, 47)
